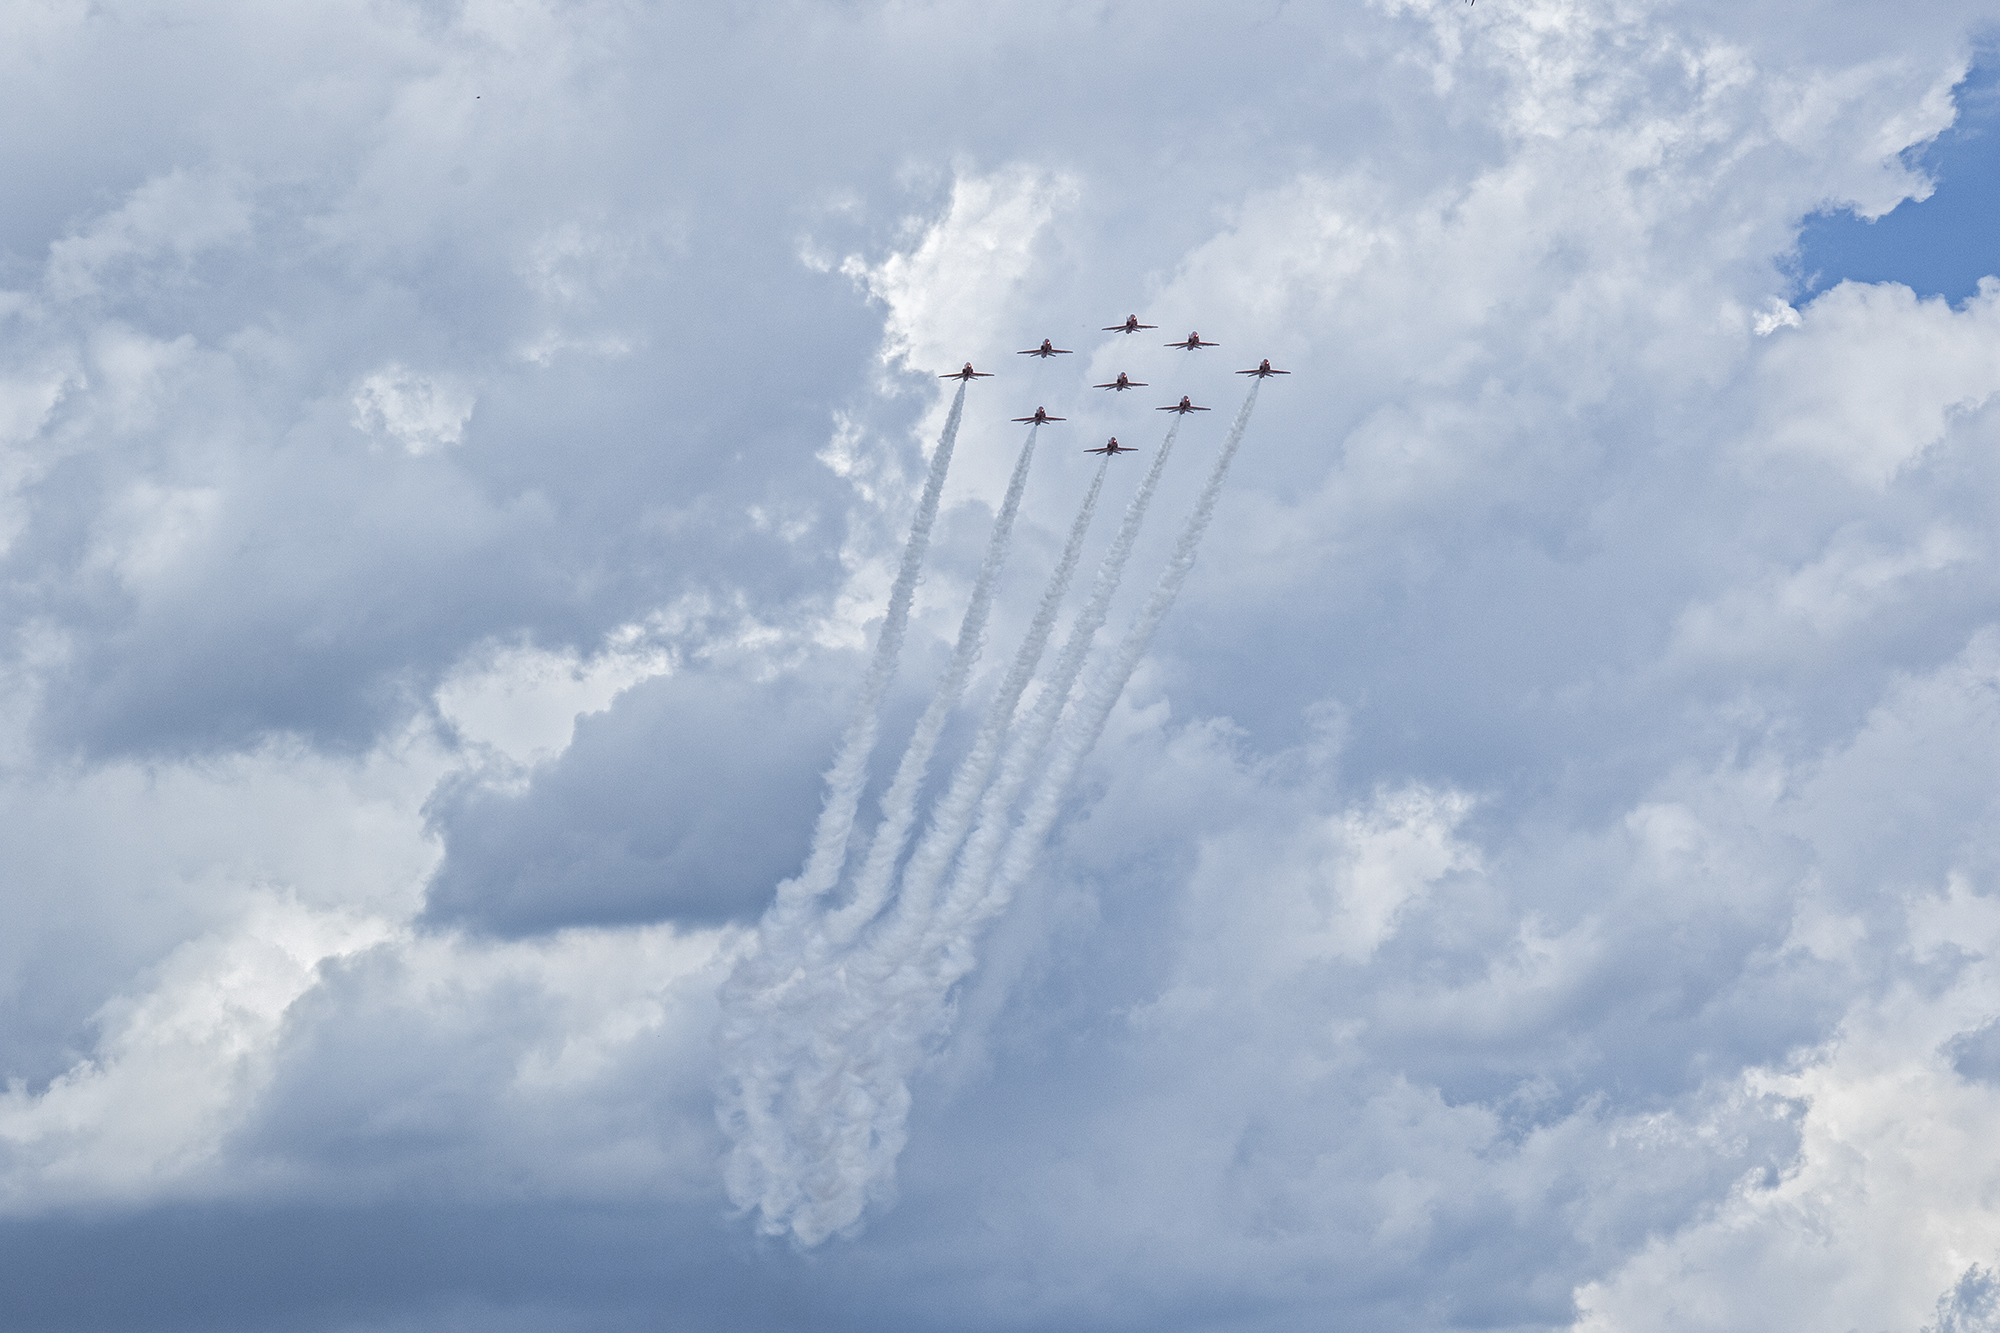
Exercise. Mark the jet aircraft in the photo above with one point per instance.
(1183, 407)
(968, 374)
(1111, 446)
(1041, 416)
(1131, 325)
(1263, 369)
(1121, 383)
(1193, 341)
(1046, 349)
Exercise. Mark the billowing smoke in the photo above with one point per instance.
(768, 981)
(912, 986)
(779, 1157)
(818, 1060)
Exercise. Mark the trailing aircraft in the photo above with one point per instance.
(1263, 369)
(1193, 341)
(1183, 407)
(968, 374)
(1121, 383)
(1041, 416)
(1131, 325)
(1046, 349)
(1111, 446)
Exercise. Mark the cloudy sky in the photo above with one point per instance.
(1543, 874)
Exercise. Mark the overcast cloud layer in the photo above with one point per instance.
(453, 459)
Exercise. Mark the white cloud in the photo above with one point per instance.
(1795, 613)
(524, 701)
(1873, 377)
(420, 412)
(1331, 887)
(1548, 858)
(946, 293)
(169, 220)
(178, 1066)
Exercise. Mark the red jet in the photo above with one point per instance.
(1041, 417)
(1193, 341)
(1131, 325)
(1263, 369)
(1121, 383)
(1183, 407)
(1046, 349)
(1111, 446)
(970, 374)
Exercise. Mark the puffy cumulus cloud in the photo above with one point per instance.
(1271, 1108)
(571, 1067)
(174, 1068)
(416, 411)
(113, 868)
(1345, 880)
(452, 459)
(1889, 1198)
(690, 797)
(1870, 398)
(960, 279)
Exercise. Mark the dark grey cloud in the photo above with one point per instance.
(687, 800)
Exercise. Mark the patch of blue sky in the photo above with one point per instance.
(1939, 246)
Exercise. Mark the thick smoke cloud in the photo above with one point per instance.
(454, 460)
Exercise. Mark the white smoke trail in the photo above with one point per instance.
(847, 777)
(953, 814)
(756, 1034)
(824, 1103)
(976, 863)
(913, 1006)
(825, 1175)
(1075, 745)
(899, 803)
(849, 1099)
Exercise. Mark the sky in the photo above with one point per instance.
(1542, 873)
(1939, 245)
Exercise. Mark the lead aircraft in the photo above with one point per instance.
(1183, 407)
(1041, 416)
(1131, 325)
(1121, 383)
(970, 374)
(1111, 446)
(1046, 349)
(1193, 341)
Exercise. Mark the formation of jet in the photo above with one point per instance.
(1123, 382)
